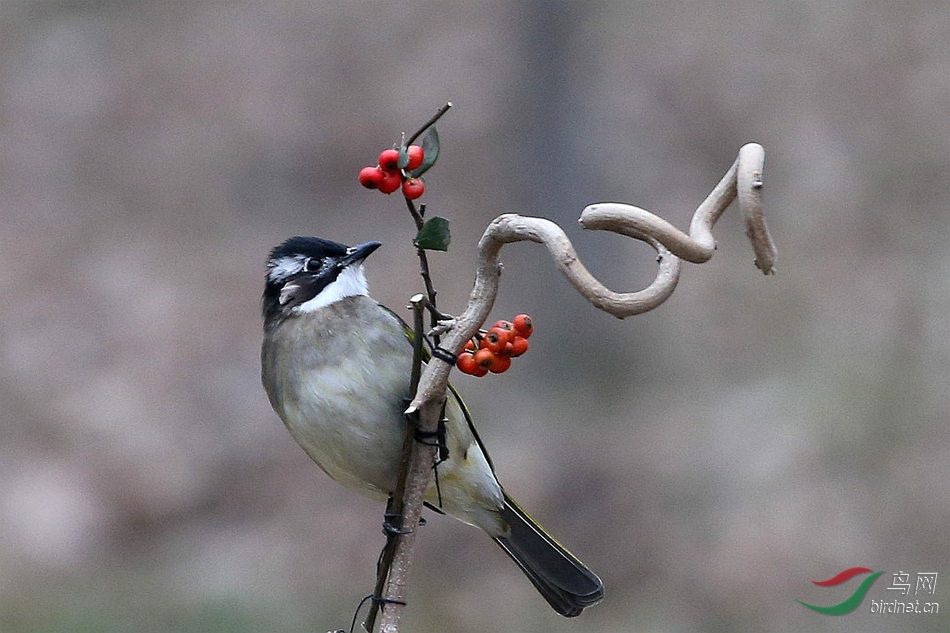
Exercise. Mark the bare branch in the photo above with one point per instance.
(393, 572)
(417, 483)
(743, 180)
(744, 177)
(425, 126)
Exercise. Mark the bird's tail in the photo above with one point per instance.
(565, 582)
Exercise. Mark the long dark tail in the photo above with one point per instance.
(564, 581)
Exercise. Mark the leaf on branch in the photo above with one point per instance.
(403, 157)
(430, 147)
(434, 235)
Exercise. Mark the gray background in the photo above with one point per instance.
(708, 459)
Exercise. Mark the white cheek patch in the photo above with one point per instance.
(286, 293)
(280, 269)
(351, 282)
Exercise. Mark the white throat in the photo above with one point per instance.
(351, 282)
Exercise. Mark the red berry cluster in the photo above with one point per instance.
(388, 176)
(493, 350)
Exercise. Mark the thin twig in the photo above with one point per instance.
(417, 303)
(425, 126)
(417, 216)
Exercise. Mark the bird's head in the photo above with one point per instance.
(305, 274)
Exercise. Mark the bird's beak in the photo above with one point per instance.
(358, 253)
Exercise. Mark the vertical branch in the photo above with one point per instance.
(422, 458)
(412, 484)
(417, 217)
(417, 303)
(418, 458)
(394, 521)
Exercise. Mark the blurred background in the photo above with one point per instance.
(708, 459)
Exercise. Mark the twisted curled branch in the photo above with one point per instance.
(743, 180)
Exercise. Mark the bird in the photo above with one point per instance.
(336, 367)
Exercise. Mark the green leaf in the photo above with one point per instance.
(434, 235)
(430, 146)
(403, 158)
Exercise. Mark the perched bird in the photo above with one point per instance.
(336, 367)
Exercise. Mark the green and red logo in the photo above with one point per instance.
(851, 603)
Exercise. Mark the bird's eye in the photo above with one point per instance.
(311, 265)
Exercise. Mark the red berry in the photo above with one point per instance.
(392, 180)
(470, 346)
(413, 188)
(416, 156)
(389, 160)
(508, 350)
(505, 325)
(466, 365)
(371, 177)
(484, 358)
(500, 364)
(495, 339)
(523, 325)
(519, 345)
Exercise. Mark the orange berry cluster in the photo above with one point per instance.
(388, 176)
(493, 350)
